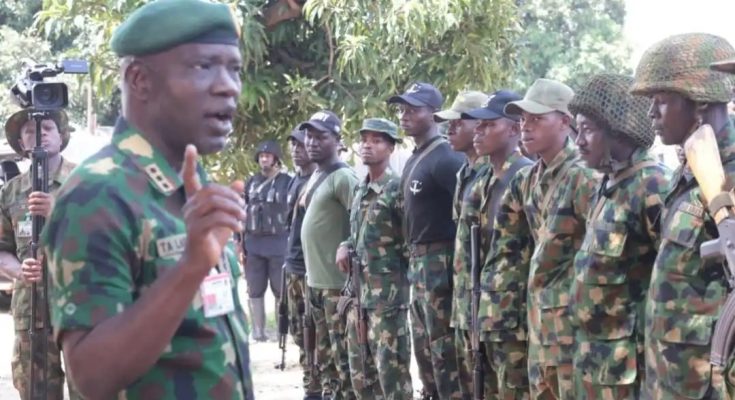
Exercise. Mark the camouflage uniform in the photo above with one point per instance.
(466, 209)
(505, 365)
(687, 292)
(15, 238)
(377, 236)
(613, 267)
(116, 226)
(537, 237)
(296, 291)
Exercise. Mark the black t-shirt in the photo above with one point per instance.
(294, 253)
(428, 193)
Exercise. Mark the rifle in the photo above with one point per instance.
(703, 157)
(39, 177)
(283, 319)
(360, 312)
(309, 329)
(478, 373)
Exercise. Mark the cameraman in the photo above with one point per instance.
(17, 204)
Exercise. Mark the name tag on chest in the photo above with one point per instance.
(217, 296)
(25, 228)
(171, 245)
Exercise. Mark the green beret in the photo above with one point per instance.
(164, 24)
(681, 63)
(606, 99)
(381, 125)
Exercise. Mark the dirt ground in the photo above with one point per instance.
(270, 383)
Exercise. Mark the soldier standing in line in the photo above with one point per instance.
(17, 204)
(728, 66)
(295, 267)
(376, 235)
(613, 267)
(545, 207)
(326, 199)
(265, 236)
(460, 133)
(687, 292)
(502, 326)
(427, 187)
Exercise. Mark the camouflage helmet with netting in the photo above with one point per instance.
(680, 63)
(606, 99)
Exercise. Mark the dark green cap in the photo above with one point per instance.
(164, 24)
(381, 125)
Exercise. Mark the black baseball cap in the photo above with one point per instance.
(420, 94)
(323, 121)
(494, 107)
(298, 135)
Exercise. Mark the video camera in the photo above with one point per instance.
(30, 90)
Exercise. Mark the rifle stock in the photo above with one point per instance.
(38, 336)
(309, 329)
(703, 157)
(478, 373)
(283, 319)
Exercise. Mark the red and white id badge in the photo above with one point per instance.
(216, 293)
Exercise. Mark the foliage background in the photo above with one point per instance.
(345, 55)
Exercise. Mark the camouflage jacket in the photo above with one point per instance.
(15, 238)
(686, 293)
(466, 214)
(117, 225)
(613, 268)
(376, 233)
(544, 209)
(478, 212)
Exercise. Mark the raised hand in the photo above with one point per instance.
(211, 213)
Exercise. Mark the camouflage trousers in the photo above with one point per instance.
(332, 358)
(384, 374)
(430, 275)
(505, 365)
(682, 371)
(609, 369)
(21, 367)
(295, 285)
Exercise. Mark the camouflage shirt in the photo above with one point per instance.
(544, 208)
(466, 214)
(117, 224)
(613, 268)
(15, 237)
(686, 292)
(376, 232)
(489, 301)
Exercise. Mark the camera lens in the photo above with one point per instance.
(50, 96)
(46, 95)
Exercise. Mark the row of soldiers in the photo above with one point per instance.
(575, 276)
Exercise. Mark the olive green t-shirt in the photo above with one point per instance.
(326, 225)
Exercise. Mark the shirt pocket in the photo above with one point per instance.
(609, 363)
(500, 309)
(682, 353)
(555, 325)
(604, 296)
(684, 225)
